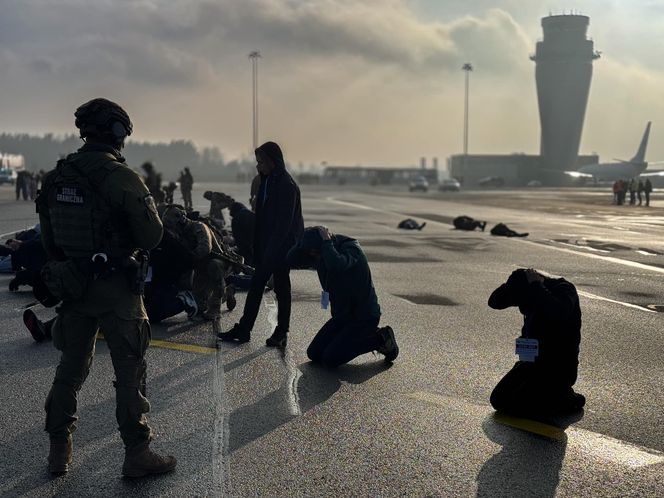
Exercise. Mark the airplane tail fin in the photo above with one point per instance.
(641, 153)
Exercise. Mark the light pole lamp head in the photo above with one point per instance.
(467, 66)
(255, 54)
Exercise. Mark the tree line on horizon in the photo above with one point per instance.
(41, 152)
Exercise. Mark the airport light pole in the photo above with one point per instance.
(467, 68)
(254, 56)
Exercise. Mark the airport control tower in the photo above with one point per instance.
(563, 71)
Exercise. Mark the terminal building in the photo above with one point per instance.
(340, 175)
(513, 170)
(563, 70)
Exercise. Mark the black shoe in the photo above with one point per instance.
(231, 302)
(236, 334)
(278, 339)
(389, 347)
(35, 326)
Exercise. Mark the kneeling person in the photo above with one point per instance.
(541, 381)
(344, 274)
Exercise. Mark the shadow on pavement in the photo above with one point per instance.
(527, 464)
(98, 472)
(315, 386)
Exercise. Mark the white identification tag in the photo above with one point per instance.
(148, 277)
(324, 300)
(527, 349)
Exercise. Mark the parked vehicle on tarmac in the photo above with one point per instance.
(419, 184)
(449, 185)
(7, 175)
(491, 181)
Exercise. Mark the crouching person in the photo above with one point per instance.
(209, 272)
(541, 381)
(344, 274)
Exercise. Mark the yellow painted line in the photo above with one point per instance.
(583, 441)
(189, 348)
(178, 346)
(532, 426)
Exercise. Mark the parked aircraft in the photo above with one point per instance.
(620, 169)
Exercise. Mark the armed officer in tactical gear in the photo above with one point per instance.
(97, 216)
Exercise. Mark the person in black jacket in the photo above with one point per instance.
(278, 225)
(541, 382)
(345, 277)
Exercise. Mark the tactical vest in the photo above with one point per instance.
(82, 220)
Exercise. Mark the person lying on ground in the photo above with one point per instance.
(504, 231)
(468, 223)
(411, 224)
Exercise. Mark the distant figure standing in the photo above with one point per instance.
(152, 180)
(639, 191)
(632, 192)
(186, 185)
(22, 185)
(616, 192)
(32, 185)
(647, 188)
(622, 190)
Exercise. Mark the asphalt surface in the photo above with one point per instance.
(252, 421)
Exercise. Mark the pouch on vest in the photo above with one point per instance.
(64, 280)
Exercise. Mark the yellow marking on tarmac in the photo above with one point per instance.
(532, 426)
(189, 348)
(583, 441)
(178, 346)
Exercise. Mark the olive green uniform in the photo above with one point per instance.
(122, 217)
(209, 272)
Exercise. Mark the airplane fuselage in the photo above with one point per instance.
(614, 171)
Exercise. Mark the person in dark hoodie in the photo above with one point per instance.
(540, 383)
(278, 225)
(345, 277)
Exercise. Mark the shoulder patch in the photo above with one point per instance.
(149, 202)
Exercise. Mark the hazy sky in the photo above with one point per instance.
(343, 81)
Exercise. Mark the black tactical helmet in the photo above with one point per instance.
(103, 118)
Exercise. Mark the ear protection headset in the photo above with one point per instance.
(102, 117)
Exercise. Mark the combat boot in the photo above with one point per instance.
(140, 461)
(60, 456)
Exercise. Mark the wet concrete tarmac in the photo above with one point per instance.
(252, 421)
